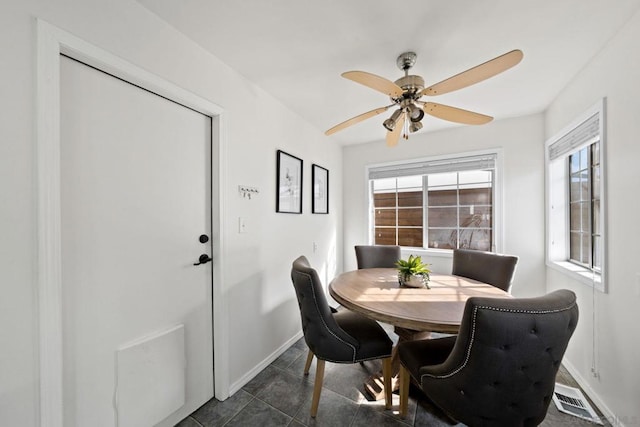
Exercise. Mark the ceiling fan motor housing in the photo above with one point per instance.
(411, 84)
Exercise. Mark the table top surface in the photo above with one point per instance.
(375, 292)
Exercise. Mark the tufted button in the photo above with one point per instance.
(462, 392)
(534, 331)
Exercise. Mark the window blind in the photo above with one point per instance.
(458, 164)
(586, 132)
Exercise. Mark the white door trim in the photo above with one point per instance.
(51, 42)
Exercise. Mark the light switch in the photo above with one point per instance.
(242, 225)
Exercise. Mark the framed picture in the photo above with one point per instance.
(289, 183)
(320, 199)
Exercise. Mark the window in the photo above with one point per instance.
(575, 199)
(443, 203)
(584, 206)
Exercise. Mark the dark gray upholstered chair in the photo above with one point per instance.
(377, 256)
(500, 369)
(342, 337)
(488, 267)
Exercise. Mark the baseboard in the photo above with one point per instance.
(607, 414)
(233, 388)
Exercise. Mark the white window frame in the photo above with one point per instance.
(498, 208)
(557, 202)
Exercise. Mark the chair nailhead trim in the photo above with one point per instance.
(473, 333)
(315, 301)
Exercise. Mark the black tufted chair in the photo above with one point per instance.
(488, 267)
(377, 256)
(500, 369)
(341, 337)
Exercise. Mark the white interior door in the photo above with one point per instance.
(135, 199)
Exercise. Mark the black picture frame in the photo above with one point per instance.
(288, 183)
(319, 189)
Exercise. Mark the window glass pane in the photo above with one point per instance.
(443, 198)
(443, 238)
(410, 198)
(475, 239)
(575, 217)
(384, 184)
(574, 246)
(574, 188)
(585, 207)
(385, 236)
(410, 217)
(384, 200)
(585, 193)
(385, 217)
(574, 162)
(475, 216)
(410, 182)
(475, 196)
(584, 158)
(443, 179)
(471, 177)
(443, 217)
(410, 237)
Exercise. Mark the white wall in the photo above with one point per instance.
(263, 313)
(613, 74)
(523, 188)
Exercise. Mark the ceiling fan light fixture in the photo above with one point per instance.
(415, 113)
(391, 122)
(415, 126)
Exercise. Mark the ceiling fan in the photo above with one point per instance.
(405, 94)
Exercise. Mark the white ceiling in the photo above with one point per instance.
(297, 49)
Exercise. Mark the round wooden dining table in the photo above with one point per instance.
(376, 293)
(414, 312)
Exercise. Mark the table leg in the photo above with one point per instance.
(374, 385)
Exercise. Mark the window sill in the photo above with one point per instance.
(578, 273)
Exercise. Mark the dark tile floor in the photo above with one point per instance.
(280, 395)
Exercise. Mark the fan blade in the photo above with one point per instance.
(454, 114)
(476, 74)
(394, 135)
(357, 119)
(374, 82)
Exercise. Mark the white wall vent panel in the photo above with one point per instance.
(150, 378)
(571, 401)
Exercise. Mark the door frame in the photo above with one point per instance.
(51, 43)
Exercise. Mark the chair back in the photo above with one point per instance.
(322, 334)
(495, 269)
(377, 256)
(502, 368)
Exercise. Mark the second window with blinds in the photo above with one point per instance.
(442, 204)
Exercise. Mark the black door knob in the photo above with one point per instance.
(203, 238)
(203, 259)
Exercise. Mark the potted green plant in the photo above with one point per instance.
(413, 272)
